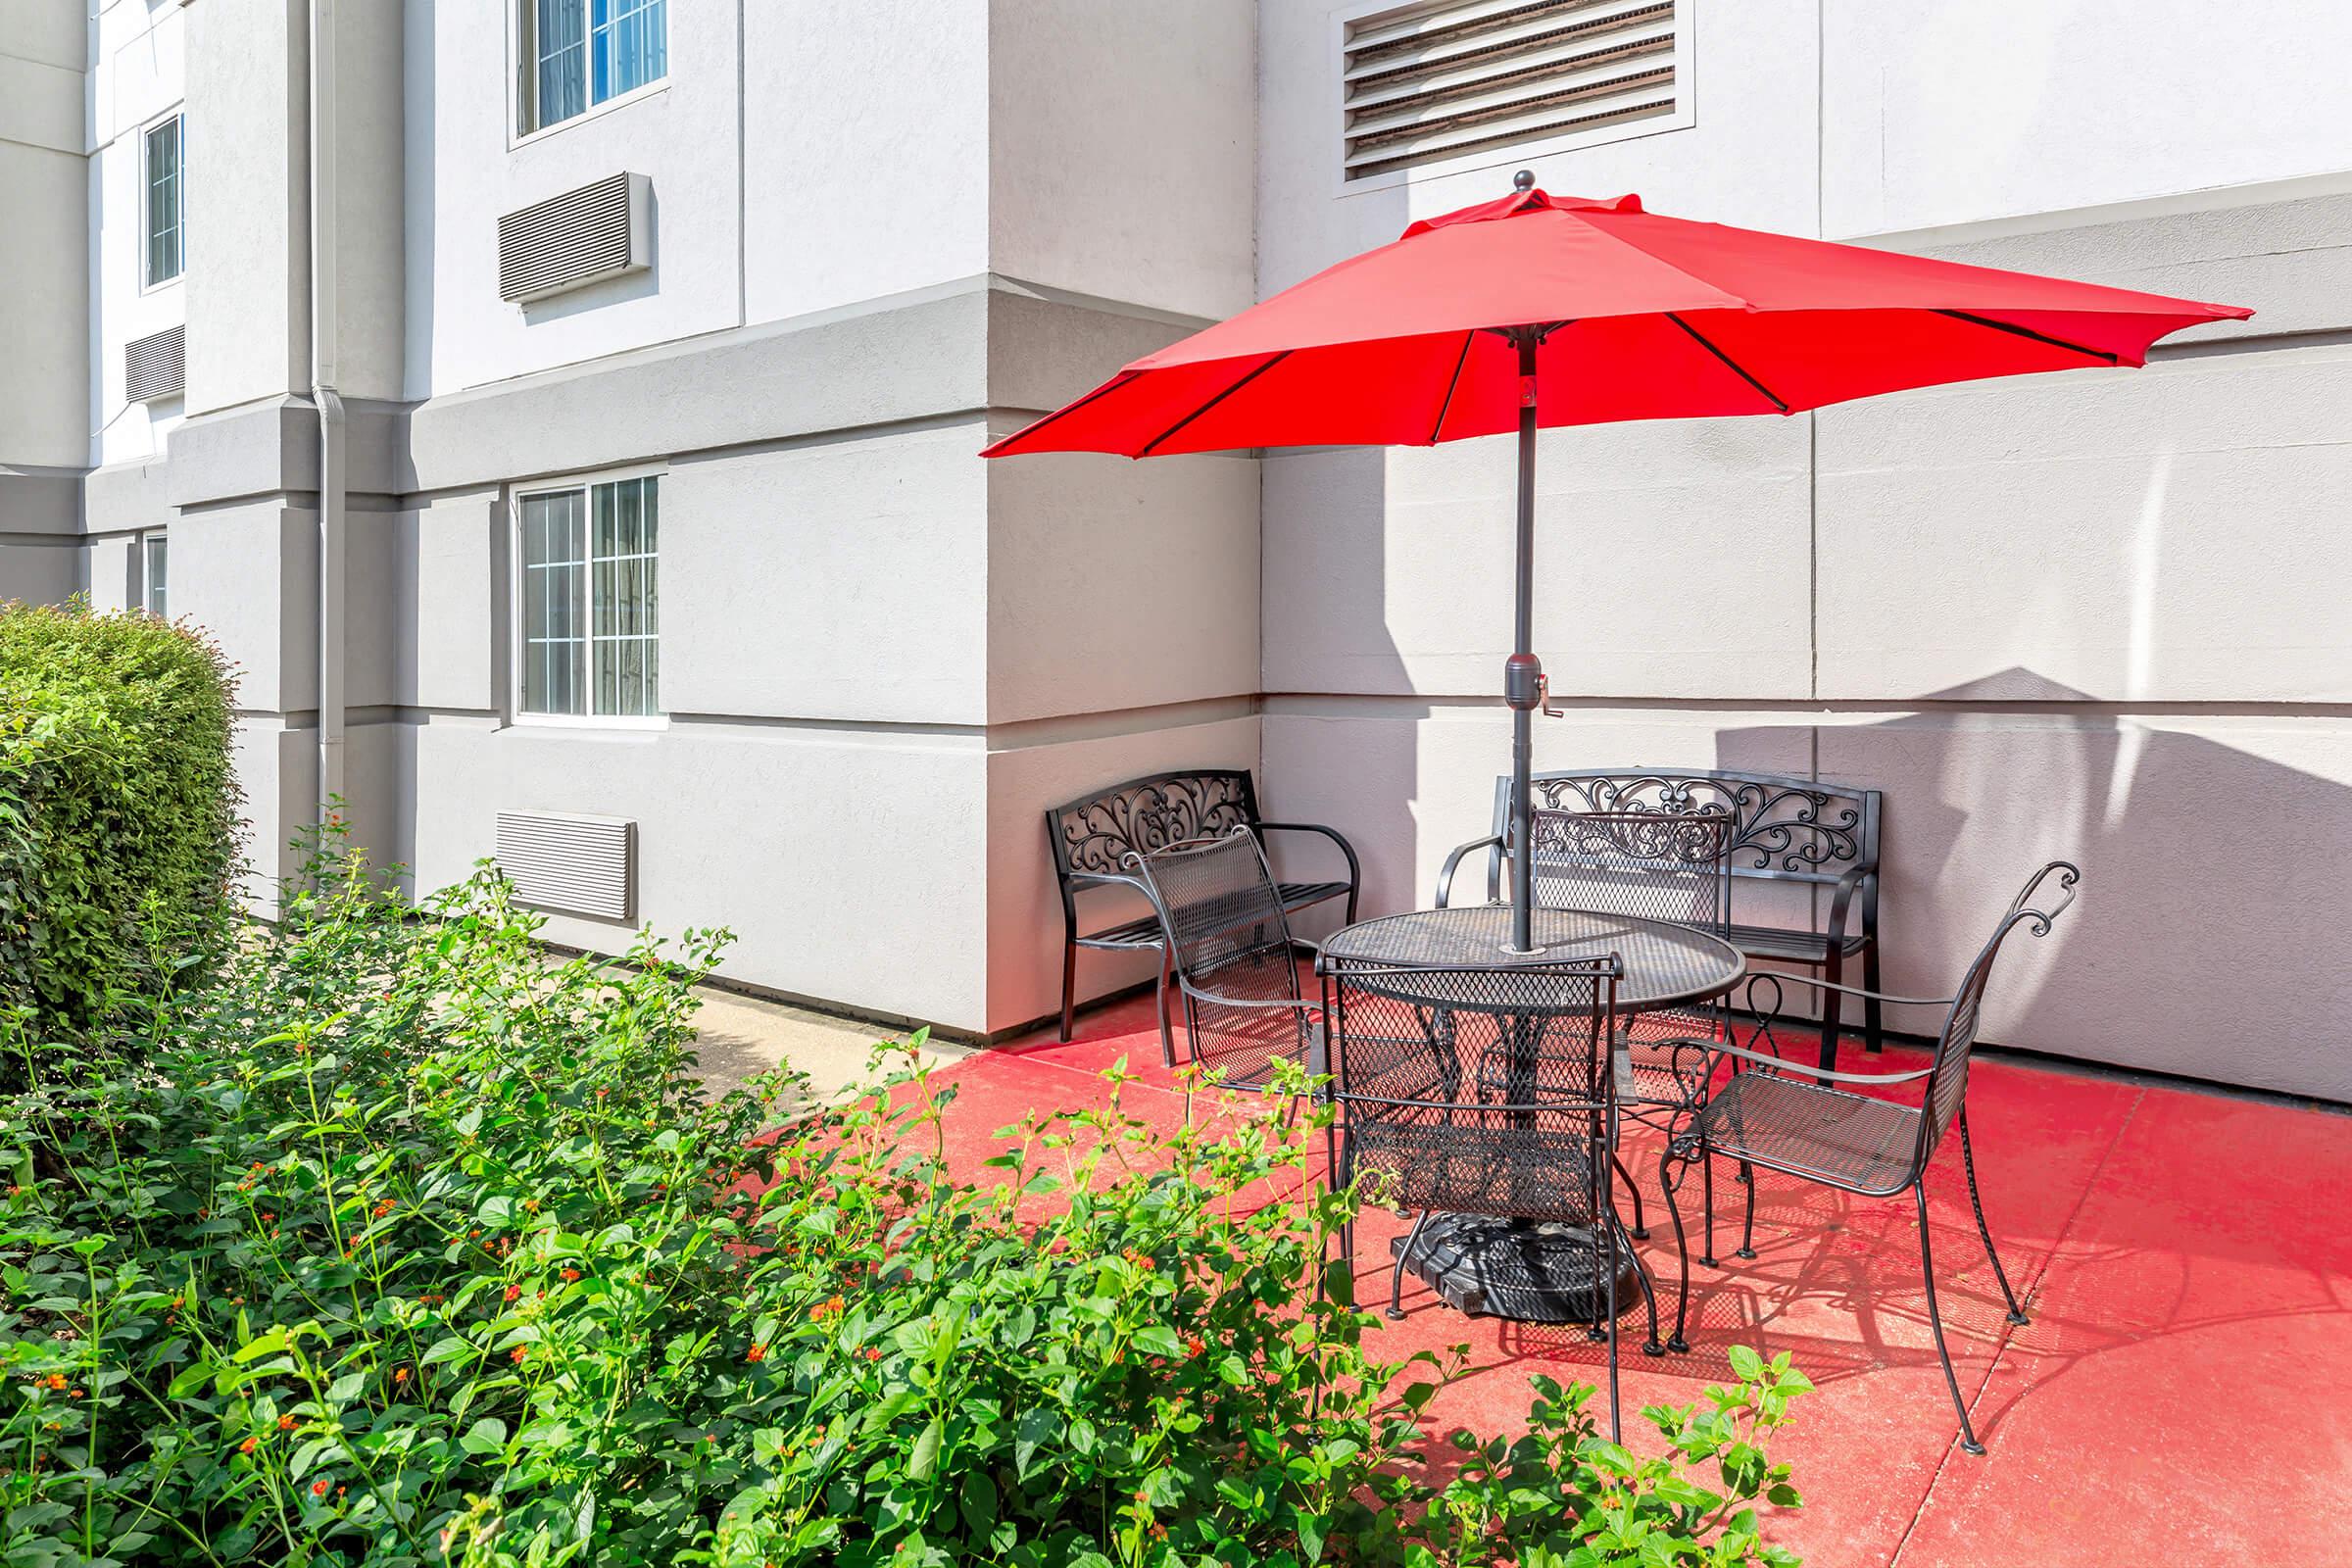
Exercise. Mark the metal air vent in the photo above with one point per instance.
(582, 236)
(154, 366)
(1450, 79)
(568, 864)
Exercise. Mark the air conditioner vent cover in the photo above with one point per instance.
(570, 863)
(156, 366)
(1447, 79)
(578, 238)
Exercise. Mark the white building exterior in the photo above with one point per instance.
(2099, 615)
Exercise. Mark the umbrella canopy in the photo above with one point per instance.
(1538, 311)
(1648, 318)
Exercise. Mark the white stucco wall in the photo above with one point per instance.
(44, 317)
(1936, 113)
(867, 128)
(1123, 149)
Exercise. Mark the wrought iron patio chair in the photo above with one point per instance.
(1658, 867)
(1233, 955)
(1485, 1092)
(1858, 1143)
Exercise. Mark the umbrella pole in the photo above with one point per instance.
(1523, 671)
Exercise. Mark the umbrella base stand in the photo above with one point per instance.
(1525, 1270)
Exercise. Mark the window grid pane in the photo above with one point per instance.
(631, 39)
(164, 215)
(624, 601)
(158, 561)
(554, 644)
(562, 43)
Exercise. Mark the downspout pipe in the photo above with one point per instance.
(323, 376)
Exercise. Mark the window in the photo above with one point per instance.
(166, 225)
(591, 646)
(580, 53)
(154, 560)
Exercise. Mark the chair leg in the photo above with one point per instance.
(1609, 1230)
(1872, 1021)
(1069, 987)
(1650, 1295)
(1968, 1161)
(1927, 1269)
(1748, 1226)
(1344, 1175)
(1706, 1174)
(1681, 1254)
(1640, 1230)
(1159, 998)
(1397, 1270)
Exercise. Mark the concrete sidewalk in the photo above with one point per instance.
(743, 1036)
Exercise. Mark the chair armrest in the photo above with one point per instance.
(1295, 1005)
(1355, 871)
(1857, 991)
(1800, 1069)
(1454, 860)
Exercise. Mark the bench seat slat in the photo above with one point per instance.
(1144, 931)
(1790, 946)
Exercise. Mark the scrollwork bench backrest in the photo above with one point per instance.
(1093, 836)
(1783, 829)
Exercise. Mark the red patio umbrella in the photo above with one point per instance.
(1537, 311)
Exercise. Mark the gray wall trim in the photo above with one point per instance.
(723, 389)
(1423, 704)
(270, 448)
(2292, 257)
(913, 360)
(41, 500)
(123, 497)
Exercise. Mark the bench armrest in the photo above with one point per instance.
(1865, 881)
(1355, 871)
(1454, 860)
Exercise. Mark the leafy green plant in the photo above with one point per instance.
(117, 807)
(412, 1246)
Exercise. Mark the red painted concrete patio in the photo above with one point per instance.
(2175, 1398)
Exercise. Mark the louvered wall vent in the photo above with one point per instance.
(1452, 79)
(154, 366)
(582, 236)
(573, 865)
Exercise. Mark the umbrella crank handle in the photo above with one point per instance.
(1525, 686)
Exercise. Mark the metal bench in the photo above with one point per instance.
(1784, 830)
(1093, 836)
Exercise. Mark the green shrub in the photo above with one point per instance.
(117, 807)
(413, 1247)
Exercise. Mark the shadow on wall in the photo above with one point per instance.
(1351, 488)
(2214, 935)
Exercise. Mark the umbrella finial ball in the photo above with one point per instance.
(1525, 179)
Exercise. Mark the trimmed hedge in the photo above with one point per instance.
(117, 807)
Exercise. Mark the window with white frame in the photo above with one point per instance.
(155, 574)
(166, 223)
(576, 53)
(590, 622)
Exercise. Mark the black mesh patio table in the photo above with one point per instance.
(1664, 964)
(1532, 1271)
